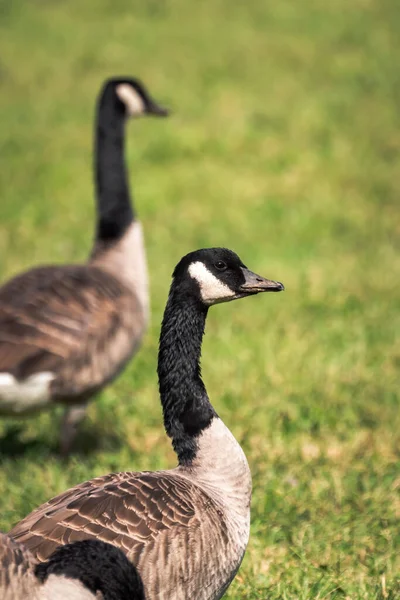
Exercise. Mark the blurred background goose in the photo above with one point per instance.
(67, 331)
(185, 529)
(88, 570)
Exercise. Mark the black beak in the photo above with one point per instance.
(155, 109)
(255, 283)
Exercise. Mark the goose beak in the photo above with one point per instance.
(157, 110)
(255, 283)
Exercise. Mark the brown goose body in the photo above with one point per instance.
(171, 524)
(82, 571)
(79, 324)
(66, 331)
(185, 529)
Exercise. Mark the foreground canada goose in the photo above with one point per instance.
(67, 331)
(185, 529)
(87, 570)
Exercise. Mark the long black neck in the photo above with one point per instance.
(115, 212)
(186, 407)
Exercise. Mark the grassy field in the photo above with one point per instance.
(284, 145)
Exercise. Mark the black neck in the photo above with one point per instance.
(186, 407)
(115, 212)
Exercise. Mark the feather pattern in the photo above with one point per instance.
(16, 570)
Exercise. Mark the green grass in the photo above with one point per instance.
(284, 145)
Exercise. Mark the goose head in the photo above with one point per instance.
(215, 275)
(132, 97)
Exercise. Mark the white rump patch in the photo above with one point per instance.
(59, 587)
(212, 290)
(131, 98)
(28, 395)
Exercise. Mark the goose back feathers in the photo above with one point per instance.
(66, 331)
(191, 521)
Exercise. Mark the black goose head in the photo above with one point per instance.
(215, 275)
(131, 97)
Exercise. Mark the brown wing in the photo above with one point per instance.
(128, 510)
(63, 320)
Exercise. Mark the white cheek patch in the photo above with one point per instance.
(212, 290)
(129, 96)
(19, 397)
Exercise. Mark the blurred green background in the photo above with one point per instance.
(284, 146)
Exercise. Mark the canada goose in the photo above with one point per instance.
(185, 529)
(87, 570)
(67, 331)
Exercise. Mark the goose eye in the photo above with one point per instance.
(221, 265)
